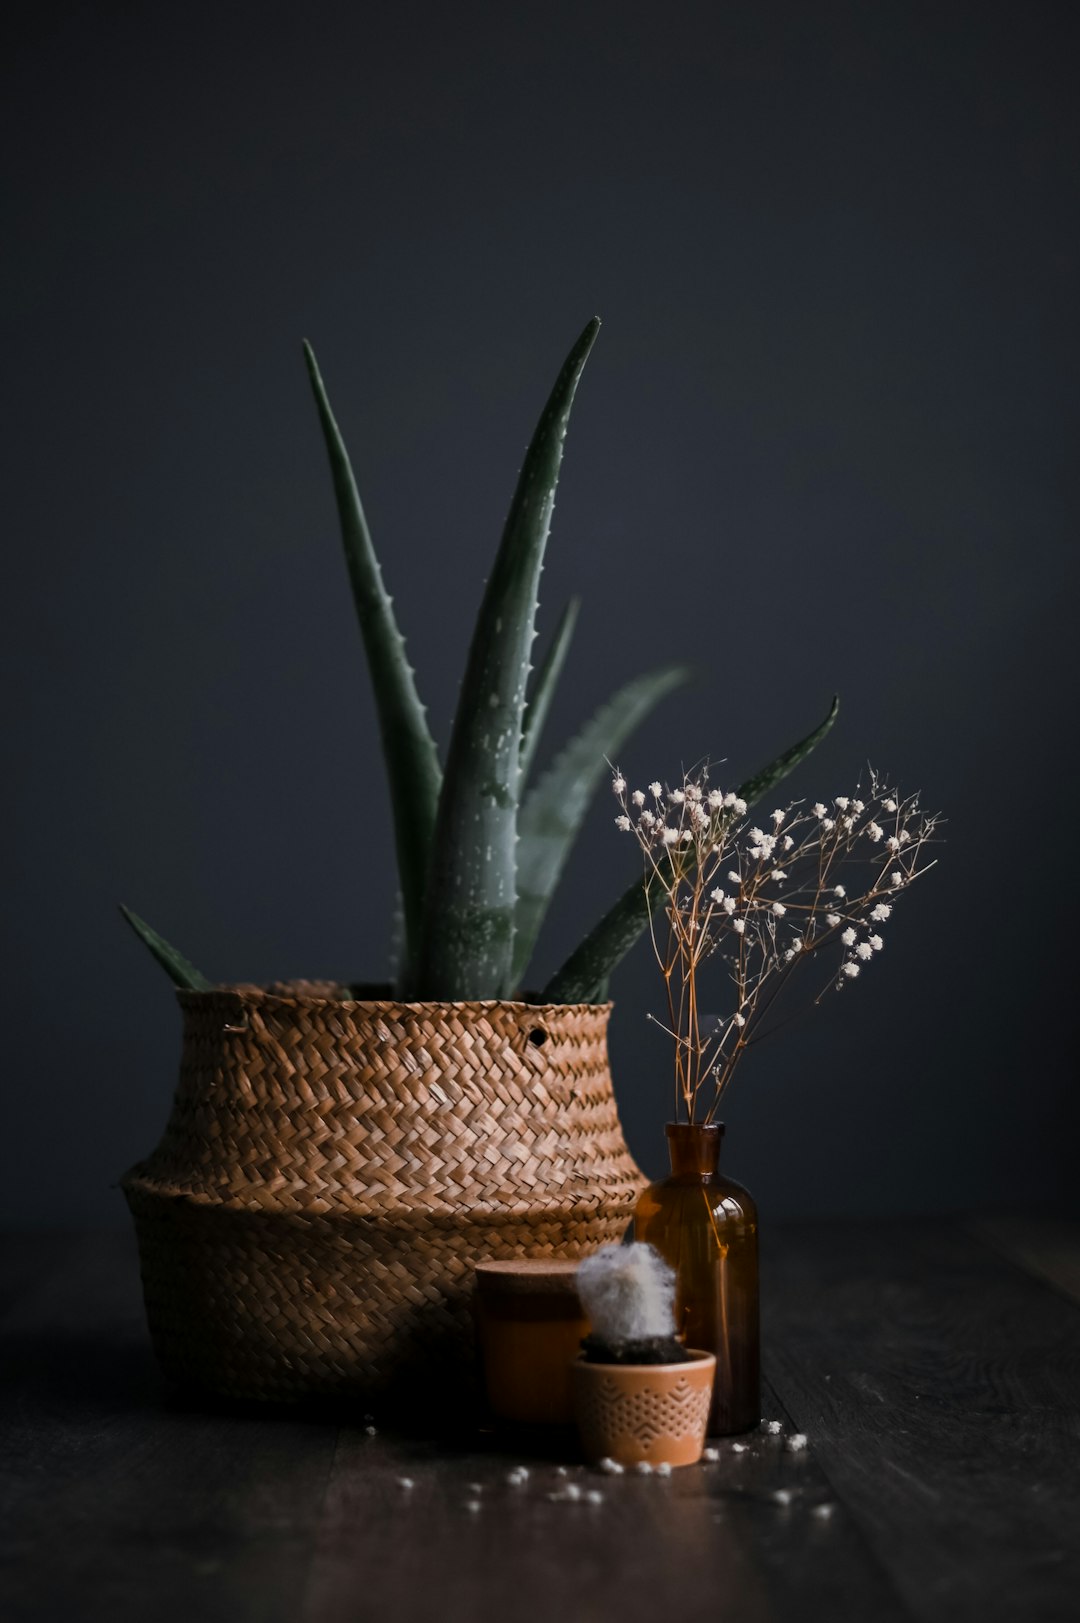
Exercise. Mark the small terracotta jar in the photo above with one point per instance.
(705, 1226)
(530, 1324)
(644, 1413)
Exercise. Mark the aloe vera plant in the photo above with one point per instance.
(480, 851)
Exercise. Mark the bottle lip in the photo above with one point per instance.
(676, 1129)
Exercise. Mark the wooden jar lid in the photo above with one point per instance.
(531, 1276)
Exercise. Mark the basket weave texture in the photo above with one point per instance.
(332, 1171)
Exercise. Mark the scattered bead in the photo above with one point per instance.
(562, 1470)
(643, 1468)
(371, 1431)
(594, 1496)
(738, 1448)
(517, 1478)
(405, 1482)
(710, 1455)
(663, 1469)
(773, 1427)
(472, 1504)
(783, 1496)
(796, 1442)
(475, 1488)
(824, 1511)
(610, 1467)
(571, 1491)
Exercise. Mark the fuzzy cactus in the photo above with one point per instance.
(628, 1293)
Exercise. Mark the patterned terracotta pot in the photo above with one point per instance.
(332, 1170)
(652, 1413)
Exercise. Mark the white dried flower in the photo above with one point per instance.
(729, 799)
(716, 798)
(734, 879)
(779, 909)
(874, 832)
(881, 912)
(739, 806)
(686, 836)
(889, 805)
(828, 824)
(623, 823)
(858, 806)
(796, 1442)
(656, 789)
(778, 874)
(797, 944)
(739, 926)
(788, 842)
(676, 797)
(843, 802)
(838, 890)
(618, 783)
(647, 820)
(848, 937)
(876, 942)
(738, 1019)
(864, 951)
(819, 810)
(904, 836)
(717, 896)
(638, 797)
(851, 970)
(778, 816)
(896, 877)
(730, 905)
(892, 843)
(773, 1427)
(671, 836)
(832, 920)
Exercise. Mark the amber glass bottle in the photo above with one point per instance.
(705, 1225)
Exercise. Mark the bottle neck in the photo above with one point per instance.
(694, 1149)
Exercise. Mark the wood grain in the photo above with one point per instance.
(1049, 1248)
(938, 1381)
(940, 1389)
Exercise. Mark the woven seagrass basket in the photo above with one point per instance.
(332, 1170)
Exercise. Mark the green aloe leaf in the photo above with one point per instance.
(468, 931)
(412, 760)
(176, 966)
(583, 978)
(760, 784)
(547, 679)
(586, 970)
(552, 815)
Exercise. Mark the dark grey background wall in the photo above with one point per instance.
(826, 441)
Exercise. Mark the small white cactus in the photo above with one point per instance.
(628, 1292)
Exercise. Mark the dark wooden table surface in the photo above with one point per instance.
(934, 1366)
